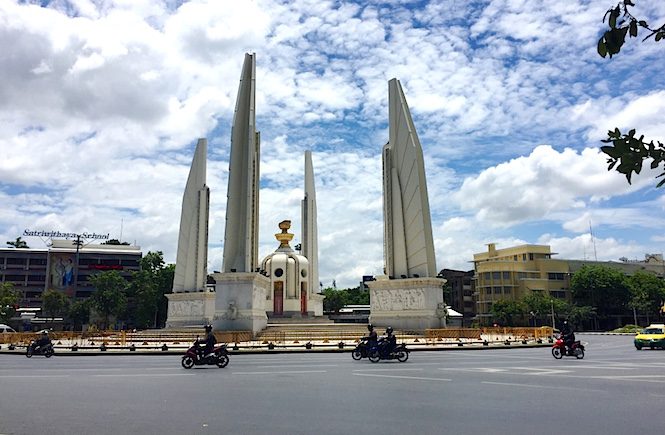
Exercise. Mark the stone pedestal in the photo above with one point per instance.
(406, 304)
(190, 309)
(241, 301)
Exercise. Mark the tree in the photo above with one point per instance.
(147, 290)
(334, 300)
(109, 298)
(506, 312)
(627, 153)
(647, 292)
(601, 287)
(79, 313)
(19, 243)
(8, 300)
(53, 303)
(114, 242)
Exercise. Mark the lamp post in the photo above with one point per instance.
(552, 305)
(78, 243)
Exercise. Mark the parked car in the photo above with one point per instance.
(652, 336)
(5, 328)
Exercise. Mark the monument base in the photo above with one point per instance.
(190, 309)
(407, 304)
(241, 301)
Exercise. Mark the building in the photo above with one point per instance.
(513, 272)
(63, 267)
(460, 298)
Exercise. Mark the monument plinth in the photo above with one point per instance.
(408, 303)
(190, 309)
(241, 301)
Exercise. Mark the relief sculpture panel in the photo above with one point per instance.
(185, 308)
(398, 300)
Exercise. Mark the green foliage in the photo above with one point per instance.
(19, 243)
(79, 313)
(8, 299)
(509, 312)
(628, 153)
(114, 242)
(109, 298)
(621, 23)
(647, 292)
(54, 303)
(336, 299)
(628, 329)
(602, 287)
(148, 287)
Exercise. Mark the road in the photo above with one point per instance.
(613, 390)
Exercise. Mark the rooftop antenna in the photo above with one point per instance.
(593, 240)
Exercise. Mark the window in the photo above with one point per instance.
(530, 257)
(496, 290)
(279, 272)
(506, 276)
(16, 261)
(496, 276)
(559, 294)
(486, 275)
(514, 257)
(38, 261)
(523, 257)
(556, 276)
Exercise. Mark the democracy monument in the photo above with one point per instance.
(285, 283)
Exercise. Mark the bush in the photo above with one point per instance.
(628, 329)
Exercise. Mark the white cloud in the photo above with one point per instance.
(101, 103)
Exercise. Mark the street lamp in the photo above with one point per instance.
(78, 243)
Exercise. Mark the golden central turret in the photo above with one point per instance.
(284, 237)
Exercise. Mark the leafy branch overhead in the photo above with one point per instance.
(621, 23)
(630, 152)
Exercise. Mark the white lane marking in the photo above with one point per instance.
(476, 369)
(142, 375)
(389, 370)
(33, 376)
(294, 372)
(281, 366)
(510, 384)
(418, 378)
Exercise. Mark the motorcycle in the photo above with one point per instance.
(194, 356)
(559, 349)
(35, 349)
(379, 352)
(362, 349)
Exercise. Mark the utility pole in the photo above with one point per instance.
(552, 305)
(78, 243)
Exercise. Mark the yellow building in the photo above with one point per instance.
(514, 272)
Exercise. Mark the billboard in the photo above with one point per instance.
(61, 276)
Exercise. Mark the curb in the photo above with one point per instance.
(283, 350)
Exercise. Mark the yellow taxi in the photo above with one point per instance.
(652, 336)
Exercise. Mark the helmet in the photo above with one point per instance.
(208, 328)
(370, 327)
(389, 330)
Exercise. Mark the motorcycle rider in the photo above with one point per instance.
(210, 342)
(388, 342)
(567, 335)
(372, 337)
(42, 341)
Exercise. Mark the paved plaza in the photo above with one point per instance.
(613, 390)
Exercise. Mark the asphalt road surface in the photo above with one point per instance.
(615, 389)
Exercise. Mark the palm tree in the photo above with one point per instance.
(19, 243)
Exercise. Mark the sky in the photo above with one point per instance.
(102, 103)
